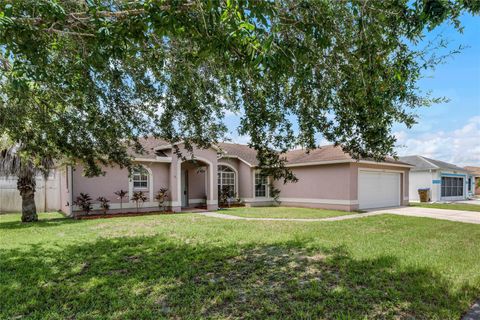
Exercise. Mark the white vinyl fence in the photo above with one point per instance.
(47, 194)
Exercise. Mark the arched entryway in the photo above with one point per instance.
(195, 185)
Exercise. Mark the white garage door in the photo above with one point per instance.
(378, 189)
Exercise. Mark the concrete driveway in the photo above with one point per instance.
(472, 201)
(442, 214)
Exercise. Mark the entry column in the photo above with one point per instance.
(175, 200)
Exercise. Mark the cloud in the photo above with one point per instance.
(460, 146)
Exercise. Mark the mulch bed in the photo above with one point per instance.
(133, 214)
(123, 214)
(233, 205)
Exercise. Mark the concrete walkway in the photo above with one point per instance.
(442, 214)
(473, 313)
(230, 217)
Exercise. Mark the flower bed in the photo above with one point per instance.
(123, 214)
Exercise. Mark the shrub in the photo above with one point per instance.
(85, 202)
(139, 196)
(121, 194)
(161, 197)
(226, 193)
(104, 204)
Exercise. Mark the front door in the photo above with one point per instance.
(184, 188)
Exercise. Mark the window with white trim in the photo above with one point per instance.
(140, 178)
(226, 180)
(261, 185)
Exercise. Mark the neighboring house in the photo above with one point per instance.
(475, 176)
(446, 181)
(328, 178)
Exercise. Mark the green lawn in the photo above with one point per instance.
(451, 206)
(283, 212)
(188, 266)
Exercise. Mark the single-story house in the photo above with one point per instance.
(475, 173)
(445, 181)
(327, 178)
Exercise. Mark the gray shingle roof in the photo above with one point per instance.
(148, 144)
(424, 163)
(300, 156)
(249, 155)
(241, 151)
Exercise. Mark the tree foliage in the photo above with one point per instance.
(84, 80)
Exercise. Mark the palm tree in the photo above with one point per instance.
(14, 164)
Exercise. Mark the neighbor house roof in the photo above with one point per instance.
(473, 170)
(421, 163)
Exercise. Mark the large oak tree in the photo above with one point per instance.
(82, 80)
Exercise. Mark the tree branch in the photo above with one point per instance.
(79, 16)
(71, 33)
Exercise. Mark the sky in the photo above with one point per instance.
(449, 131)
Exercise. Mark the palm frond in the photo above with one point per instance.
(14, 164)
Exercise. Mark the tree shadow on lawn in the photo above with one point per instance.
(155, 277)
(41, 223)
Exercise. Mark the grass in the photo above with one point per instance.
(450, 206)
(188, 266)
(283, 212)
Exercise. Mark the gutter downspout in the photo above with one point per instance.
(70, 187)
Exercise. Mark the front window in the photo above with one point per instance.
(452, 187)
(261, 185)
(140, 178)
(469, 184)
(226, 181)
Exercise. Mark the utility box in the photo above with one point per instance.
(424, 194)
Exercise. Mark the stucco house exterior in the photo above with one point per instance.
(446, 181)
(327, 178)
(475, 174)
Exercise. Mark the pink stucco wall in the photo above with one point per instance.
(102, 186)
(196, 184)
(245, 180)
(318, 182)
(115, 179)
(332, 182)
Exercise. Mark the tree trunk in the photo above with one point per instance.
(26, 187)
